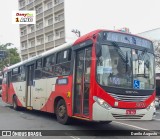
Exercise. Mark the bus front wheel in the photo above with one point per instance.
(61, 112)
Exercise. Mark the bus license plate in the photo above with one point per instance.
(130, 112)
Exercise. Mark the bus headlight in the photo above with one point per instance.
(151, 105)
(102, 103)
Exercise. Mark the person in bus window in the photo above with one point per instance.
(121, 68)
(48, 65)
(52, 61)
(123, 74)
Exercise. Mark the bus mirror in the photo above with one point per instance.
(98, 50)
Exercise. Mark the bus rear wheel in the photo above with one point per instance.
(61, 112)
(14, 103)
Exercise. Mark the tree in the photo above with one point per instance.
(11, 56)
(157, 53)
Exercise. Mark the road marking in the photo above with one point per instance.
(156, 119)
(74, 137)
(131, 125)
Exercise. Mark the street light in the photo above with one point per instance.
(77, 32)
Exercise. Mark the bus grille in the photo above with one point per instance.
(127, 117)
(129, 98)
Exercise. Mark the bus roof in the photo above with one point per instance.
(89, 35)
(46, 53)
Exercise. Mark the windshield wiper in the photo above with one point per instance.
(121, 54)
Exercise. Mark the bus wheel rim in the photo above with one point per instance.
(61, 111)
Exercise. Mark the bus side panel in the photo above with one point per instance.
(41, 93)
(4, 93)
(11, 92)
(50, 94)
(64, 91)
(19, 90)
(38, 94)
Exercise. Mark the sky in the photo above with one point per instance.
(88, 15)
(9, 33)
(137, 15)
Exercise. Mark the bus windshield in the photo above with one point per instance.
(125, 67)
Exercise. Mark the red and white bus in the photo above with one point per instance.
(102, 76)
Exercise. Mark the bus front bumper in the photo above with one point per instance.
(102, 114)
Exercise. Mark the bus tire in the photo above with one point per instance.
(14, 103)
(61, 112)
(105, 122)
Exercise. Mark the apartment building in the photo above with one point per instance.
(49, 30)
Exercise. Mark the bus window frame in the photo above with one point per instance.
(39, 69)
(69, 59)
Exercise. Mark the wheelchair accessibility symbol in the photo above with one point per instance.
(136, 84)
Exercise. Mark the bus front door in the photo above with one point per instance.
(82, 82)
(30, 85)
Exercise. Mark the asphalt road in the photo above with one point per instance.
(35, 120)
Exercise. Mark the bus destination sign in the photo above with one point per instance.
(128, 39)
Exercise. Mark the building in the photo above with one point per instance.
(57, 22)
(153, 35)
(49, 30)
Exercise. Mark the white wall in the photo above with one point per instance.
(151, 34)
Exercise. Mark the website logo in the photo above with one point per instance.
(6, 133)
(23, 17)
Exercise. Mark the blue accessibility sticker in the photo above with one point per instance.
(136, 84)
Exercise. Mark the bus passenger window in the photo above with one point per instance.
(53, 60)
(48, 66)
(23, 74)
(38, 70)
(88, 65)
(63, 63)
(16, 75)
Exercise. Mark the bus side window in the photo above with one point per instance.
(49, 62)
(88, 65)
(63, 63)
(22, 73)
(15, 73)
(18, 74)
(4, 78)
(52, 60)
(8, 78)
(38, 69)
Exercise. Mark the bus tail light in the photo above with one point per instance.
(102, 103)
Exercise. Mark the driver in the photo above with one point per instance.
(121, 68)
